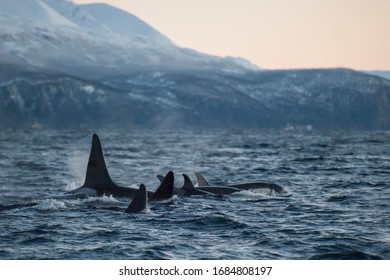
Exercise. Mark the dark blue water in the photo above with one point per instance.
(336, 204)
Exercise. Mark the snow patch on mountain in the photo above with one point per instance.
(55, 17)
(93, 39)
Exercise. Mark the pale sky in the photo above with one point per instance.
(275, 34)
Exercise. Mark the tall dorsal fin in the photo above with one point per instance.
(160, 178)
(202, 182)
(97, 173)
(139, 201)
(165, 190)
(188, 185)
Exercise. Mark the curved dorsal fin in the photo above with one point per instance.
(139, 201)
(202, 182)
(188, 185)
(97, 173)
(165, 190)
(160, 178)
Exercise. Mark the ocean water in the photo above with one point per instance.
(336, 203)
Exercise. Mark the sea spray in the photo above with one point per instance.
(76, 165)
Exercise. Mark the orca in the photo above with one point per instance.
(165, 190)
(97, 178)
(202, 182)
(139, 202)
(189, 189)
(218, 190)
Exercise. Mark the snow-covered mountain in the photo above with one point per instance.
(93, 39)
(33, 12)
(66, 65)
(383, 74)
(319, 99)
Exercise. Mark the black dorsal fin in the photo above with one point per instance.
(165, 190)
(188, 185)
(139, 201)
(202, 182)
(160, 178)
(97, 173)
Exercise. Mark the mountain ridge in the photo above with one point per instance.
(82, 38)
(199, 99)
(57, 75)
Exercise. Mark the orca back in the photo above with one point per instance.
(219, 190)
(165, 190)
(189, 188)
(97, 173)
(188, 185)
(202, 182)
(139, 201)
(258, 185)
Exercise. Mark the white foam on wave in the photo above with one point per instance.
(262, 191)
(104, 199)
(252, 193)
(51, 204)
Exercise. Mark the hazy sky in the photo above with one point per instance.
(275, 34)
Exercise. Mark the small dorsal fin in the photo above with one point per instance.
(97, 173)
(165, 190)
(188, 185)
(160, 178)
(202, 182)
(139, 201)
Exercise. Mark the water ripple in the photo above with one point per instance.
(335, 205)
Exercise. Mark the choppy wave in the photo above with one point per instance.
(335, 205)
(51, 204)
(17, 206)
(348, 255)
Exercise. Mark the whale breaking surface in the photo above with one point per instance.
(99, 183)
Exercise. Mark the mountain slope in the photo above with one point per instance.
(91, 40)
(322, 99)
(65, 66)
(32, 12)
(383, 74)
(120, 22)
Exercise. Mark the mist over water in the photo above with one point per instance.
(336, 204)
